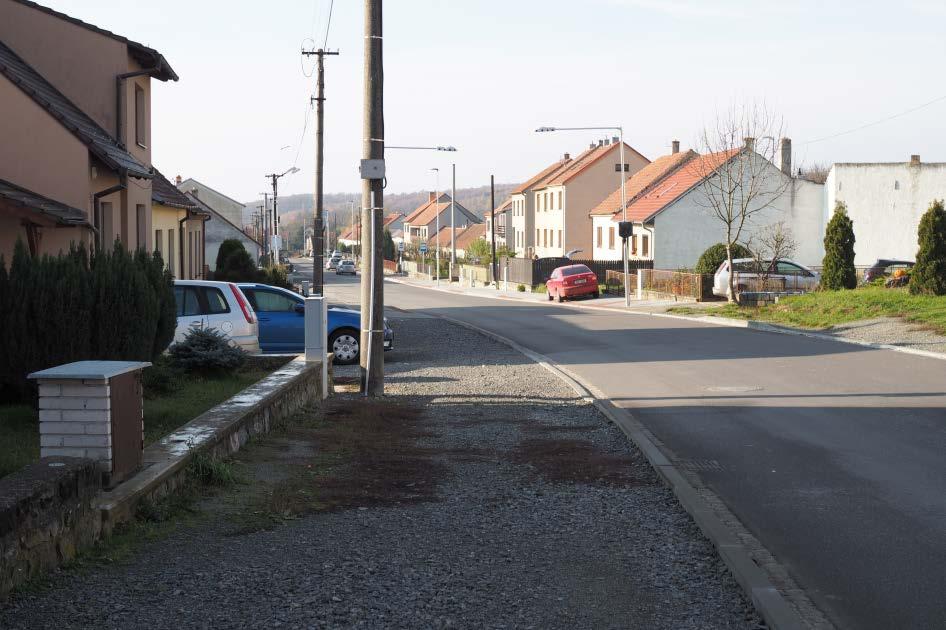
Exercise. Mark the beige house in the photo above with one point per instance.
(75, 162)
(503, 222)
(522, 211)
(564, 199)
(422, 223)
(178, 225)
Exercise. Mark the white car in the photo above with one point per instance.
(346, 266)
(785, 276)
(332, 262)
(219, 305)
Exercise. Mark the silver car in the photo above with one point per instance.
(219, 305)
(346, 266)
(785, 275)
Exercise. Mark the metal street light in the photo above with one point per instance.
(436, 200)
(450, 149)
(621, 170)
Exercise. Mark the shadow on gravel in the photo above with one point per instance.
(578, 461)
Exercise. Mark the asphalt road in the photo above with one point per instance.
(831, 454)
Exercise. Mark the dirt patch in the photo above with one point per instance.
(578, 461)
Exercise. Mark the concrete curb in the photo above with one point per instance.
(768, 601)
(221, 430)
(749, 324)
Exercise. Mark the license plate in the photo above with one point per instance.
(580, 281)
(387, 344)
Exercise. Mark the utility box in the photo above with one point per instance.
(93, 409)
(316, 336)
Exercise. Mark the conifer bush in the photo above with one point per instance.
(928, 276)
(838, 264)
(715, 255)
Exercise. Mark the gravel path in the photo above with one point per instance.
(540, 515)
(892, 331)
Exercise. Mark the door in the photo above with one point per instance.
(795, 277)
(217, 310)
(281, 326)
(189, 311)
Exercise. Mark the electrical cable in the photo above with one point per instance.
(328, 23)
(878, 122)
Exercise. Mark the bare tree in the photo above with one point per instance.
(738, 177)
(768, 246)
(817, 172)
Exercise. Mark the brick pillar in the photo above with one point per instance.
(75, 420)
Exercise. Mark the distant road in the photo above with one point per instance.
(833, 455)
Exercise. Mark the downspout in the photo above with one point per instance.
(180, 253)
(97, 208)
(119, 101)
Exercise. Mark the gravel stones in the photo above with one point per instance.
(546, 517)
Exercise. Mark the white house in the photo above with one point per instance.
(885, 201)
(676, 224)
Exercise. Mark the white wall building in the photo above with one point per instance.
(885, 202)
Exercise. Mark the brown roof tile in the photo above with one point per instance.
(640, 181)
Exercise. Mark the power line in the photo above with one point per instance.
(328, 23)
(878, 122)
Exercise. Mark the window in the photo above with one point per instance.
(271, 301)
(157, 242)
(634, 245)
(141, 222)
(896, 185)
(645, 244)
(559, 238)
(560, 205)
(141, 118)
(545, 238)
(610, 238)
(171, 261)
(187, 302)
(536, 236)
(598, 237)
(574, 270)
(215, 301)
(789, 269)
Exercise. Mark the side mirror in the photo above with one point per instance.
(299, 308)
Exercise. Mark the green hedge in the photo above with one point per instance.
(76, 306)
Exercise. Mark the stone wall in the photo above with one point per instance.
(46, 516)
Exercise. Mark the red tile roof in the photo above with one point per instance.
(578, 166)
(675, 185)
(391, 218)
(640, 181)
(475, 231)
(544, 173)
(425, 213)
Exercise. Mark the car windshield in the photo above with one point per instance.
(575, 270)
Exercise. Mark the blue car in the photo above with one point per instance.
(282, 324)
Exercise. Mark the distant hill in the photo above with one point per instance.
(292, 206)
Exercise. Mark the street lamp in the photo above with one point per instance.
(275, 177)
(621, 170)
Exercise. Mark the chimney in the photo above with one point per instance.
(431, 197)
(675, 146)
(786, 156)
(914, 160)
(194, 191)
(567, 157)
(750, 143)
(615, 139)
(177, 180)
(591, 146)
(600, 143)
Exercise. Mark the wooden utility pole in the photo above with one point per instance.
(318, 233)
(372, 278)
(492, 224)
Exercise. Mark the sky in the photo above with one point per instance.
(481, 75)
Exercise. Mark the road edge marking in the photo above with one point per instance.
(777, 612)
(749, 324)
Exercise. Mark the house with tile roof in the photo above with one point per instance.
(677, 223)
(503, 222)
(464, 237)
(76, 126)
(422, 223)
(563, 196)
(233, 210)
(606, 243)
(179, 234)
(218, 229)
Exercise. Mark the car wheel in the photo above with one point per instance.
(344, 344)
(559, 298)
(551, 296)
(595, 295)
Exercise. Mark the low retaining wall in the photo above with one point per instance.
(52, 509)
(46, 516)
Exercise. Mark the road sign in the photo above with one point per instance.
(423, 248)
(400, 246)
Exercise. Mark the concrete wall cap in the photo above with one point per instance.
(90, 370)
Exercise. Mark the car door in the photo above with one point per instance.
(282, 327)
(552, 283)
(796, 278)
(216, 309)
(189, 311)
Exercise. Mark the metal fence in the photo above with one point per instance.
(663, 283)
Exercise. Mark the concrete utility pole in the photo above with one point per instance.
(492, 225)
(275, 218)
(372, 200)
(265, 221)
(318, 236)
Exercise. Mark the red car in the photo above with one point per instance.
(572, 281)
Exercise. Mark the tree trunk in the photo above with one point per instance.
(731, 294)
